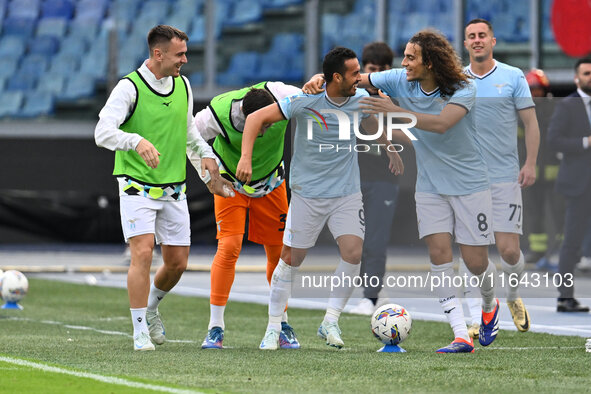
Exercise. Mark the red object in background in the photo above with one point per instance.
(571, 22)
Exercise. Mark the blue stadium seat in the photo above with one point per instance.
(296, 68)
(72, 45)
(21, 82)
(280, 3)
(181, 20)
(331, 24)
(272, 67)
(127, 64)
(45, 45)
(245, 11)
(84, 29)
(142, 25)
(91, 10)
(37, 104)
(124, 9)
(197, 34)
(12, 46)
(243, 67)
(64, 64)
(287, 43)
(159, 8)
(58, 8)
(10, 103)
(19, 26)
(34, 65)
(78, 86)
(197, 79)
(28, 9)
(52, 26)
(190, 7)
(52, 83)
(8, 66)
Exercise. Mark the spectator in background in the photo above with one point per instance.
(148, 122)
(570, 133)
(379, 188)
(541, 199)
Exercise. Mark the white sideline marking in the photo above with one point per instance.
(97, 377)
(86, 328)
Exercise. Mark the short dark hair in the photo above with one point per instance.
(480, 20)
(334, 61)
(378, 53)
(161, 34)
(256, 99)
(584, 60)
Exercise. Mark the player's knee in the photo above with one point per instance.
(352, 255)
(440, 255)
(178, 267)
(141, 254)
(229, 247)
(510, 254)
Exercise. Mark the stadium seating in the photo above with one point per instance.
(10, 103)
(52, 26)
(37, 104)
(63, 44)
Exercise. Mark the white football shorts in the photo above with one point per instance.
(468, 218)
(168, 220)
(507, 211)
(306, 217)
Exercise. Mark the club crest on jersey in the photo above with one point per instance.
(500, 86)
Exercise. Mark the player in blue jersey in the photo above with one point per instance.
(452, 190)
(324, 179)
(503, 96)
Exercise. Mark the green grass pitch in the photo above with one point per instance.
(86, 330)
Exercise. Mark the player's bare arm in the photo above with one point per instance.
(447, 118)
(527, 174)
(255, 125)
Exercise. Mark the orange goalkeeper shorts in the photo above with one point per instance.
(266, 217)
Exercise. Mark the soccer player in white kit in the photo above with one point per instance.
(452, 190)
(324, 182)
(502, 95)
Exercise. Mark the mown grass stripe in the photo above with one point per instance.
(97, 377)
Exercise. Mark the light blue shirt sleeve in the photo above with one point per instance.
(388, 81)
(522, 93)
(465, 96)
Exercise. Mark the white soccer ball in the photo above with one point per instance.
(13, 286)
(391, 324)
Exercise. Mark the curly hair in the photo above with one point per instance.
(445, 64)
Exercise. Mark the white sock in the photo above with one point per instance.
(471, 294)
(284, 318)
(513, 275)
(487, 288)
(339, 295)
(449, 300)
(281, 282)
(156, 295)
(216, 316)
(138, 318)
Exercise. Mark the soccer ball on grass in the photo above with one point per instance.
(13, 287)
(391, 324)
